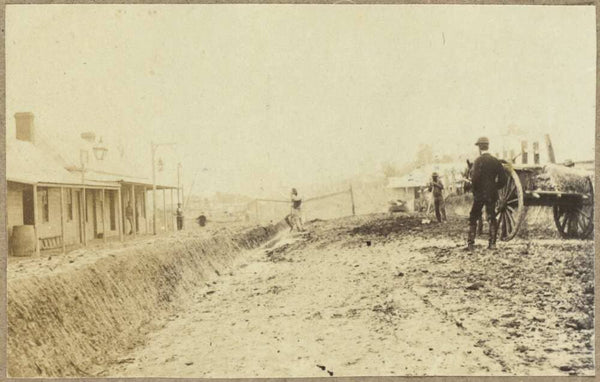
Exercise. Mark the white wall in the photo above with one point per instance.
(14, 205)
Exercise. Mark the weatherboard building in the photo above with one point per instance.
(55, 204)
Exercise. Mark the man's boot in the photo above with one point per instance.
(471, 238)
(493, 234)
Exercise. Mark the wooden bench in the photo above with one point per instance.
(50, 242)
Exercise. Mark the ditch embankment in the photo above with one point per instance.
(70, 315)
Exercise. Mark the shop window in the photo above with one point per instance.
(28, 215)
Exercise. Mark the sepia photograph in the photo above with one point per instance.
(286, 191)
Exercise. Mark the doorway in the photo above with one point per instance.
(28, 211)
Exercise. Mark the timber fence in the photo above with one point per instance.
(326, 206)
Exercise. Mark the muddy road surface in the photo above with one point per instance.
(384, 295)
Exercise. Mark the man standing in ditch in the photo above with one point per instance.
(487, 178)
(437, 188)
(296, 215)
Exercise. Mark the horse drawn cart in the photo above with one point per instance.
(569, 191)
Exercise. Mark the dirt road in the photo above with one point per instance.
(383, 295)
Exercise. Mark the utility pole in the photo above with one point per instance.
(179, 166)
(83, 157)
(153, 147)
(153, 188)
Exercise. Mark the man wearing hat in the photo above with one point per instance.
(296, 215)
(437, 187)
(487, 178)
(179, 215)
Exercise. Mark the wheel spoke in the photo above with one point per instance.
(572, 226)
(513, 222)
(581, 223)
(564, 223)
(508, 188)
(585, 222)
(502, 192)
(582, 212)
(516, 200)
(510, 196)
(512, 191)
(509, 225)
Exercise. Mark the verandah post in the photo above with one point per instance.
(36, 220)
(120, 213)
(62, 218)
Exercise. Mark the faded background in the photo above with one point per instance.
(260, 98)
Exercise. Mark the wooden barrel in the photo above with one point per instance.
(23, 240)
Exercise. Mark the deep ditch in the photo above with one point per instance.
(74, 323)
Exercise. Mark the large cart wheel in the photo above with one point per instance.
(510, 208)
(577, 221)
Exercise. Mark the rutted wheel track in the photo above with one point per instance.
(487, 350)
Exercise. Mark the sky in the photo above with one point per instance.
(262, 98)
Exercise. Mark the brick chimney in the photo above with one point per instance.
(25, 128)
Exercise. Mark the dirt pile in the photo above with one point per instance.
(72, 320)
(385, 227)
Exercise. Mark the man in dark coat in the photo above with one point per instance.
(179, 215)
(488, 176)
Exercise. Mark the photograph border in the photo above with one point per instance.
(3, 234)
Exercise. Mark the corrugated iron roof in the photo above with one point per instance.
(117, 165)
(142, 181)
(32, 164)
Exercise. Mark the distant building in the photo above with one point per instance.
(411, 187)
